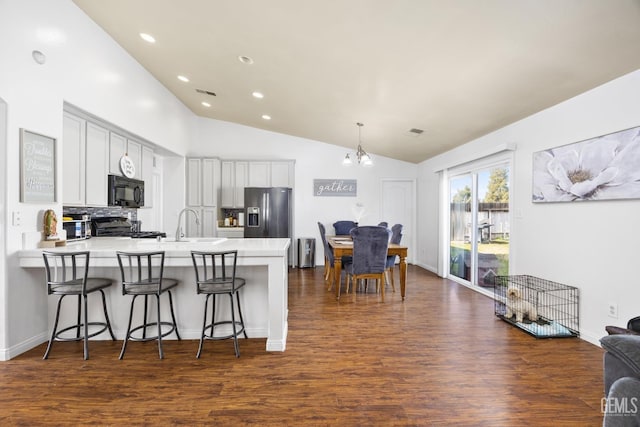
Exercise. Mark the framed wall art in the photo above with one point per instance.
(602, 168)
(37, 168)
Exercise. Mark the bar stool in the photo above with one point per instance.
(67, 274)
(143, 275)
(213, 278)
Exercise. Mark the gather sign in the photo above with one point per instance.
(335, 187)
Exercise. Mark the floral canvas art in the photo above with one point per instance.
(602, 168)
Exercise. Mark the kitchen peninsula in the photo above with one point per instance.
(262, 262)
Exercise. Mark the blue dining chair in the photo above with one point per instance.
(396, 237)
(383, 224)
(370, 245)
(329, 270)
(342, 228)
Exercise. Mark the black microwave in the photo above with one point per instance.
(125, 192)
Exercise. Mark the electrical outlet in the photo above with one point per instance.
(17, 218)
(612, 310)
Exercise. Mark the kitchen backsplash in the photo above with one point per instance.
(101, 212)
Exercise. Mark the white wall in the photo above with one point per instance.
(314, 160)
(590, 245)
(90, 70)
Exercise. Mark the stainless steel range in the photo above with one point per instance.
(111, 226)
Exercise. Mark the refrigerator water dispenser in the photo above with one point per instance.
(253, 217)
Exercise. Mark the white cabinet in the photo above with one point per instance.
(85, 162)
(233, 178)
(210, 181)
(194, 180)
(147, 164)
(259, 174)
(227, 180)
(241, 179)
(282, 173)
(117, 149)
(278, 173)
(238, 174)
(134, 151)
(231, 232)
(208, 222)
(96, 165)
(203, 186)
(73, 158)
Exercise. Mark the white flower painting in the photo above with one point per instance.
(602, 168)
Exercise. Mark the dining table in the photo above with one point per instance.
(343, 245)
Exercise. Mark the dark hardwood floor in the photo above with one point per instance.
(439, 358)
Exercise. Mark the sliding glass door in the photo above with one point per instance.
(479, 224)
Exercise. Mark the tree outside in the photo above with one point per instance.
(498, 187)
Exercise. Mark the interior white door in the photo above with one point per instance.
(398, 207)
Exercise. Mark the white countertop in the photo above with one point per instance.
(105, 247)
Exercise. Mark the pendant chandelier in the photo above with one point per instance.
(361, 156)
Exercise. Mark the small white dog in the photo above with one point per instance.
(520, 307)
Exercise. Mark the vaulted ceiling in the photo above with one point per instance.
(455, 69)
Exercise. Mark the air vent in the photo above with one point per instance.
(416, 131)
(206, 92)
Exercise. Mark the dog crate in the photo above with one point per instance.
(539, 307)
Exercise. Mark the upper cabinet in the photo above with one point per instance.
(233, 178)
(203, 181)
(86, 162)
(117, 148)
(92, 150)
(282, 173)
(238, 174)
(96, 165)
(140, 155)
(210, 182)
(259, 174)
(147, 164)
(134, 151)
(194, 182)
(73, 155)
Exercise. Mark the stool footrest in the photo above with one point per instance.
(58, 334)
(210, 326)
(151, 325)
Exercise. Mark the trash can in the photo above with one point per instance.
(306, 252)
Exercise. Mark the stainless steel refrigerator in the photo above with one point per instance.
(269, 214)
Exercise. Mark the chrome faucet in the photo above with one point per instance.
(179, 234)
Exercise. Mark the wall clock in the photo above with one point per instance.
(127, 167)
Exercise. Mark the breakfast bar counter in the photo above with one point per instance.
(262, 262)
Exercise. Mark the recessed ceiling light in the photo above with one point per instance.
(206, 104)
(147, 37)
(266, 117)
(245, 59)
(183, 78)
(258, 95)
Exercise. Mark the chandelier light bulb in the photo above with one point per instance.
(361, 156)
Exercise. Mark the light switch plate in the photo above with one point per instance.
(16, 218)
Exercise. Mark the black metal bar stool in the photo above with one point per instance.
(67, 274)
(216, 275)
(143, 275)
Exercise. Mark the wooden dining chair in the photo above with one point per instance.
(370, 246)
